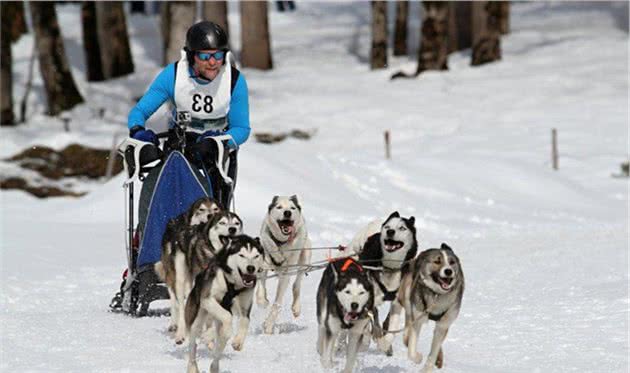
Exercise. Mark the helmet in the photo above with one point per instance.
(206, 35)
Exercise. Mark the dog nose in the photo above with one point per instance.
(354, 306)
(232, 231)
(287, 214)
(251, 269)
(448, 271)
(391, 232)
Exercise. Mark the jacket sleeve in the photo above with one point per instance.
(238, 117)
(161, 90)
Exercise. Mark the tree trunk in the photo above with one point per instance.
(400, 32)
(61, 91)
(486, 34)
(256, 45)
(113, 39)
(15, 20)
(177, 17)
(216, 11)
(378, 53)
(461, 15)
(433, 53)
(91, 47)
(504, 22)
(6, 91)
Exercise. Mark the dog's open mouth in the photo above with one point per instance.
(351, 316)
(444, 282)
(392, 245)
(248, 280)
(286, 226)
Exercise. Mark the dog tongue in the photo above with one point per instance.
(351, 316)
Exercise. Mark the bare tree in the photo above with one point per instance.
(61, 91)
(486, 32)
(433, 51)
(216, 11)
(256, 44)
(113, 39)
(400, 32)
(6, 91)
(177, 17)
(504, 22)
(91, 46)
(378, 52)
(15, 21)
(460, 25)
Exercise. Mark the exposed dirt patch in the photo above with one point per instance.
(75, 161)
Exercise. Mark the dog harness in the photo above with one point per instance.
(387, 295)
(230, 294)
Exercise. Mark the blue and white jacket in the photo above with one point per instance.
(225, 97)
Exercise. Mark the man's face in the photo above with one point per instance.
(207, 64)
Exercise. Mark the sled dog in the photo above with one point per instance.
(227, 285)
(344, 298)
(186, 251)
(283, 235)
(386, 251)
(431, 290)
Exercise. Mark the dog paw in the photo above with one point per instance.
(296, 308)
(192, 367)
(428, 368)
(179, 338)
(172, 328)
(237, 344)
(327, 363)
(415, 357)
(383, 344)
(214, 367)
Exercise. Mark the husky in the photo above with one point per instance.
(386, 252)
(432, 290)
(186, 251)
(227, 285)
(345, 298)
(284, 237)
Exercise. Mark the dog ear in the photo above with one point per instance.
(294, 199)
(445, 247)
(411, 221)
(273, 202)
(394, 214)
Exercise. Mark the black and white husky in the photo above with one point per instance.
(284, 237)
(186, 251)
(226, 286)
(386, 252)
(344, 299)
(431, 290)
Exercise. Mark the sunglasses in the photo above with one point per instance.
(205, 56)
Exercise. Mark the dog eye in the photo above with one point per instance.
(347, 292)
(279, 208)
(438, 261)
(451, 262)
(403, 228)
(361, 293)
(241, 255)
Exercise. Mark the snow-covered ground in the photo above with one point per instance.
(545, 252)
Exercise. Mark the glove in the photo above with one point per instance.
(139, 133)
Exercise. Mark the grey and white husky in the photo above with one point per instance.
(344, 299)
(284, 237)
(186, 251)
(386, 251)
(431, 290)
(226, 286)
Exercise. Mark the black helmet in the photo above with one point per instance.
(206, 35)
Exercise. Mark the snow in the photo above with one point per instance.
(545, 253)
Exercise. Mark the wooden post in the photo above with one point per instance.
(387, 146)
(554, 148)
